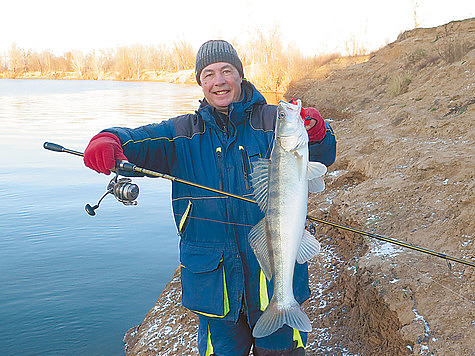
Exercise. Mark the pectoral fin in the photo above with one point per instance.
(315, 171)
(309, 247)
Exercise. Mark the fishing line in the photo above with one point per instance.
(439, 284)
(271, 142)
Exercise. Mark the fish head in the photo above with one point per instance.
(290, 130)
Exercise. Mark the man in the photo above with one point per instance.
(221, 278)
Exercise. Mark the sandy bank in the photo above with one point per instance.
(405, 169)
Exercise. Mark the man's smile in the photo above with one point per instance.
(221, 92)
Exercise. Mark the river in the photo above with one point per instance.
(72, 284)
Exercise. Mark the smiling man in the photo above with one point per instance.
(221, 278)
(221, 83)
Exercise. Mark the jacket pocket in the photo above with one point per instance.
(219, 157)
(203, 280)
(248, 156)
(245, 166)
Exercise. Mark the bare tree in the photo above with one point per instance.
(46, 59)
(268, 64)
(127, 63)
(78, 62)
(184, 55)
(17, 59)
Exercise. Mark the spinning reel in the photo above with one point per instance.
(122, 189)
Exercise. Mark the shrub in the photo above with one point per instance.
(452, 51)
(399, 84)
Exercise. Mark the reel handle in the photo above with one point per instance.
(91, 210)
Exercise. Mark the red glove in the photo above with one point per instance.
(314, 123)
(102, 152)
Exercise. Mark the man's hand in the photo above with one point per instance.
(314, 124)
(102, 152)
(310, 123)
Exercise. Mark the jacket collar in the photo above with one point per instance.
(238, 109)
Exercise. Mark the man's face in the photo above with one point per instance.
(221, 84)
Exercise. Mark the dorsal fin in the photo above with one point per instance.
(260, 181)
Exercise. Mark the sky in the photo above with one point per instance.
(315, 27)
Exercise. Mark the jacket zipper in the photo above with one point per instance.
(220, 166)
(244, 166)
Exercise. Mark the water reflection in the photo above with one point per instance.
(73, 284)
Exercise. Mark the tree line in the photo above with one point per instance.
(123, 63)
(267, 63)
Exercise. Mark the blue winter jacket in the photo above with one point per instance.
(220, 274)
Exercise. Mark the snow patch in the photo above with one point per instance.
(384, 249)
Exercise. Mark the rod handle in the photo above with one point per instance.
(125, 166)
(53, 147)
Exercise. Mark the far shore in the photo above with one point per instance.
(181, 77)
(186, 77)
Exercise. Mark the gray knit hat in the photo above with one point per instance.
(215, 51)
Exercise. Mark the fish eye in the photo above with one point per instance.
(281, 115)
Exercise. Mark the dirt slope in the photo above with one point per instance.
(405, 169)
(404, 120)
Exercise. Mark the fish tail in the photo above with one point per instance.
(274, 318)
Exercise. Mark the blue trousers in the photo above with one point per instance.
(222, 338)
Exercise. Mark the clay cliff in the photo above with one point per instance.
(404, 121)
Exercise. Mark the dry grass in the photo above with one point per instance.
(450, 47)
(399, 84)
(452, 51)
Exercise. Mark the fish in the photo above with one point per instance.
(281, 185)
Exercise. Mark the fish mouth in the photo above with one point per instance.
(287, 111)
(290, 106)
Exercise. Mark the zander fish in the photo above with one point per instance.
(281, 185)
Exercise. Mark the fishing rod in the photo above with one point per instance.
(395, 242)
(126, 192)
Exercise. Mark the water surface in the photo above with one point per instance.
(71, 284)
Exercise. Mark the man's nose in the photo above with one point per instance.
(219, 79)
